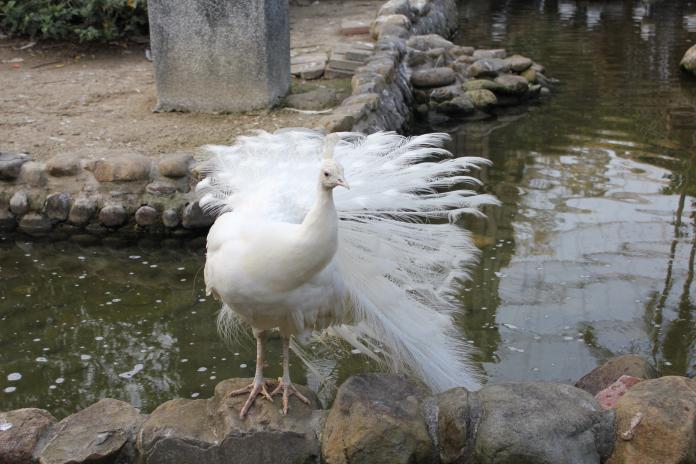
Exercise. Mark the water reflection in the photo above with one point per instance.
(592, 252)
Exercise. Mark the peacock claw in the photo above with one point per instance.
(254, 389)
(288, 390)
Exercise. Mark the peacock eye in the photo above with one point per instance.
(326, 174)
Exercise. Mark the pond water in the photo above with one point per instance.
(591, 254)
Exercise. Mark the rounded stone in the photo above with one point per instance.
(57, 206)
(498, 53)
(62, 165)
(121, 168)
(146, 216)
(603, 376)
(488, 67)
(82, 211)
(19, 203)
(482, 98)
(513, 85)
(113, 215)
(519, 63)
(688, 62)
(35, 224)
(33, 173)
(442, 94)
(161, 187)
(10, 165)
(384, 25)
(23, 430)
(456, 107)
(170, 218)
(436, 77)
(175, 165)
(427, 41)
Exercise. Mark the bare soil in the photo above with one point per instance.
(96, 100)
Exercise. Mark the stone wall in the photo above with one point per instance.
(384, 418)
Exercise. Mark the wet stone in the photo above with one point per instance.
(519, 63)
(445, 93)
(113, 215)
(146, 216)
(435, 77)
(481, 98)
(175, 165)
(455, 418)
(490, 53)
(63, 165)
(489, 67)
(170, 218)
(103, 431)
(21, 431)
(456, 107)
(10, 165)
(35, 224)
(82, 211)
(57, 206)
(428, 41)
(7, 221)
(19, 203)
(195, 218)
(513, 85)
(458, 50)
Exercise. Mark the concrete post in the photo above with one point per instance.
(220, 55)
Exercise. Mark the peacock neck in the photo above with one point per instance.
(322, 218)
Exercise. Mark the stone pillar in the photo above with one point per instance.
(220, 55)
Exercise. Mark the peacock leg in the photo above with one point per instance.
(284, 383)
(258, 386)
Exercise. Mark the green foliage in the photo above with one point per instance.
(73, 20)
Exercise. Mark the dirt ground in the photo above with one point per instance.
(97, 100)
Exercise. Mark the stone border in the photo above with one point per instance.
(384, 418)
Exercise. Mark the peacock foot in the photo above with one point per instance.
(254, 389)
(288, 390)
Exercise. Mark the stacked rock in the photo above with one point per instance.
(452, 81)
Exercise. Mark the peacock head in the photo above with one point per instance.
(331, 175)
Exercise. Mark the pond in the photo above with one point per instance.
(591, 254)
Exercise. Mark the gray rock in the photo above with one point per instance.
(35, 224)
(210, 431)
(220, 56)
(377, 418)
(309, 65)
(427, 41)
(175, 165)
(458, 106)
(161, 187)
(385, 25)
(442, 94)
(490, 53)
(317, 99)
(513, 85)
(113, 215)
(519, 63)
(8, 222)
(19, 203)
(488, 67)
(542, 423)
(603, 376)
(22, 431)
(146, 216)
(458, 51)
(57, 206)
(435, 77)
(121, 168)
(170, 218)
(33, 173)
(195, 218)
(481, 98)
(82, 211)
(105, 430)
(420, 7)
(10, 165)
(688, 62)
(65, 164)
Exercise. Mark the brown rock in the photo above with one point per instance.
(663, 412)
(481, 98)
(519, 63)
(21, 431)
(82, 211)
(170, 218)
(146, 216)
(113, 215)
(512, 85)
(454, 426)
(121, 168)
(63, 165)
(428, 41)
(377, 418)
(608, 397)
(210, 431)
(33, 173)
(100, 431)
(382, 24)
(175, 165)
(458, 106)
(601, 377)
(488, 67)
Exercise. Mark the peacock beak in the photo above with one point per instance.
(343, 183)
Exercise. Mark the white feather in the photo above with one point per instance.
(387, 290)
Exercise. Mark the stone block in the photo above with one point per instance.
(308, 65)
(220, 56)
(354, 27)
(121, 168)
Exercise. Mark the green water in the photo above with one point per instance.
(591, 254)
